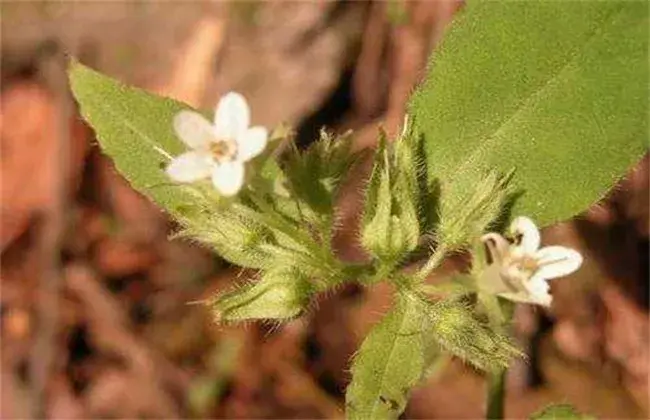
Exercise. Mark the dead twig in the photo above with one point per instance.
(52, 69)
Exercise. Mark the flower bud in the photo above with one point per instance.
(467, 209)
(458, 332)
(391, 227)
(236, 239)
(316, 174)
(279, 294)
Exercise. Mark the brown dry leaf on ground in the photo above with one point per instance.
(29, 120)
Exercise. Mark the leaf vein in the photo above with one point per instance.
(130, 125)
(526, 103)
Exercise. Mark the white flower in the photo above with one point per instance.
(520, 270)
(218, 150)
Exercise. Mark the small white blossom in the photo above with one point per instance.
(520, 270)
(218, 151)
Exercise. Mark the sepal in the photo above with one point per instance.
(279, 294)
(391, 223)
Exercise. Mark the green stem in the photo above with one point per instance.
(496, 393)
(496, 380)
(434, 261)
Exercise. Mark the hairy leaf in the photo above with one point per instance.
(457, 331)
(236, 239)
(281, 293)
(135, 129)
(316, 174)
(557, 91)
(391, 360)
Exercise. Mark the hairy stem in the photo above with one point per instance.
(433, 262)
(496, 393)
(496, 380)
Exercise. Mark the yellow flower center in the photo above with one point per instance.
(528, 264)
(222, 150)
(518, 269)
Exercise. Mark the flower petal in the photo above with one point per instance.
(195, 131)
(530, 238)
(189, 167)
(497, 246)
(252, 143)
(557, 261)
(491, 280)
(536, 293)
(521, 297)
(228, 178)
(232, 116)
(538, 290)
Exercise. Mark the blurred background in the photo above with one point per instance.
(97, 319)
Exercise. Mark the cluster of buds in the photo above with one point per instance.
(392, 224)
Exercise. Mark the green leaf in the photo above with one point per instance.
(467, 211)
(409, 166)
(135, 129)
(379, 167)
(315, 175)
(235, 238)
(409, 162)
(381, 234)
(281, 293)
(457, 331)
(391, 360)
(556, 90)
(559, 412)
